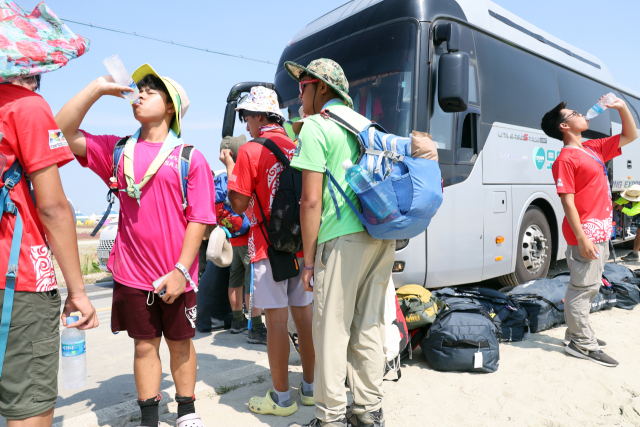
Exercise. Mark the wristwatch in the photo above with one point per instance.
(187, 276)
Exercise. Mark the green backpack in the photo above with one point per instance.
(418, 306)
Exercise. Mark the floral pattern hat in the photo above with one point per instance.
(34, 43)
(328, 71)
(261, 100)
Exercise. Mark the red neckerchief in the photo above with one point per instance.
(272, 128)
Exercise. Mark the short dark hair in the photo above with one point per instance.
(154, 83)
(271, 117)
(32, 79)
(551, 121)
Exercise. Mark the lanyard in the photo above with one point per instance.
(593, 156)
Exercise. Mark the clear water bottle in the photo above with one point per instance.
(74, 357)
(597, 109)
(377, 202)
(122, 77)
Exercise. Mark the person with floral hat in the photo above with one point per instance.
(350, 269)
(253, 182)
(159, 231)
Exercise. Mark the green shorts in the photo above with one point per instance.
(240, 274)
(29, 383)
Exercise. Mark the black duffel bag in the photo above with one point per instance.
(543, 299)
(605, 299)
(463, 338)
(620, 277)
(510, 318)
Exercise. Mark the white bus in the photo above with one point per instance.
(501, 217)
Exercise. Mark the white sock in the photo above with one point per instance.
(283, 396)
(306, 388)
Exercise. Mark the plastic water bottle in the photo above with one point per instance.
(122, 77)
(597, 109)
(377, 202)
(74, 357)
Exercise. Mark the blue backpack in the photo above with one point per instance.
(185, 165)
(225, 216)
(415, 184)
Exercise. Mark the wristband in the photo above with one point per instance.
(187, 276)
(309, 268)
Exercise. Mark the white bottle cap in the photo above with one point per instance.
(347, 164)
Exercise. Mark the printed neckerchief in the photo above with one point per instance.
(134, 190)
(272, 128)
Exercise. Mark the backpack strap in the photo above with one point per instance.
(10, 178)
(113, 184)
(186, 151)
(273, 147)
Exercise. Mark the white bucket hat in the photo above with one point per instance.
(261, 100)
(632, 193)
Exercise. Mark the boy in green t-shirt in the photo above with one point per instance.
(631, 194)
(350, 269)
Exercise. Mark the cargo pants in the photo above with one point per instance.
(351, 276)
(584, 285)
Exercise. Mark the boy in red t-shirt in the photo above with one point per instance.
(256, 173)
(30, 135)
(158, 235)
(581, 180)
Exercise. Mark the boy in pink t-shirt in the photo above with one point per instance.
(157, 235)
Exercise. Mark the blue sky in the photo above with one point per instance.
(608, 30)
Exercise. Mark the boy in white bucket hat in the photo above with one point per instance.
(253, 181)
(631, 194)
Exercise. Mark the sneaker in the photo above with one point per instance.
(294, 342)
(239, 325)
(189, 420)
(259, 336)
(368, 419)
(595, 356)
(631, 256)
(601, 343)
(318, 423)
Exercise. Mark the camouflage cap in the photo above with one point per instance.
(326, 70)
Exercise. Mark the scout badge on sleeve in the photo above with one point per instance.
(35, 43)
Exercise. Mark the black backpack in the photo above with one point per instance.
(510, 318)
(283, 228)
(544, 301)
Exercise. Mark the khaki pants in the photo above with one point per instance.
(584, 285)
(351, 276)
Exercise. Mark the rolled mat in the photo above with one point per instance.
(35, 43)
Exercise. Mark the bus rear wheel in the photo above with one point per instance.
(534, 249)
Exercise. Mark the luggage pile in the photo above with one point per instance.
(460, 328)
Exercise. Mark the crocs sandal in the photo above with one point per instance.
(190, 420)
(306, 400)
(266, 405)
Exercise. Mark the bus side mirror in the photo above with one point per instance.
(229, 121)
(453, 82)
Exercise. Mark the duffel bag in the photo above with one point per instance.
(620, 277)
(511, 319)
(543, 299)
(463, 338)
(418, 305)
(605, 299)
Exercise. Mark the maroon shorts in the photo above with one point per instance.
(146, 316)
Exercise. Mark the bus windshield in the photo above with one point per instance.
(379, 65)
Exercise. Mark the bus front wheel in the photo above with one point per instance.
(534, 249)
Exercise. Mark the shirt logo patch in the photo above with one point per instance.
(57, 139)
(232, 178)
(560, 183)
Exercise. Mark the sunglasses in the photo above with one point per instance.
(575, 113)
(303, 83)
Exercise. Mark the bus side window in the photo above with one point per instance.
(467, 136)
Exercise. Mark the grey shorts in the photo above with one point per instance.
(29, 383)
(240, 273)
(268, 293)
